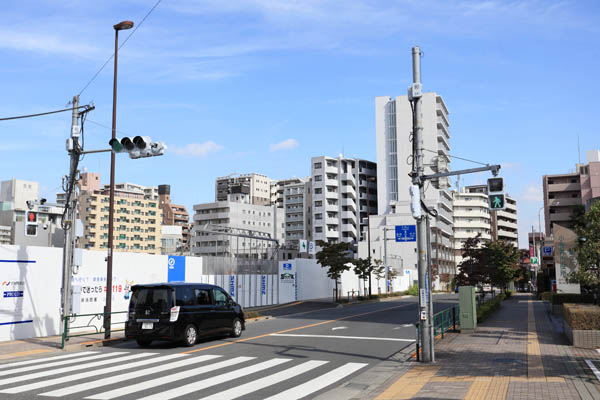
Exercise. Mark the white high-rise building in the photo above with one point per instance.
(297, 199)
(256, 186)
(393, 126)
(344, 194)
(471, 217)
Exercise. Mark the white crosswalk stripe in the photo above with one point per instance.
(72, 368)
(167, 379)
(319, 383)
(40, 360)
(270, 380)
(195, 386)
(155, 376)
(88, 374)
(127, 376)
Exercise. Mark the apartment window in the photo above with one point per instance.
(318, 190)
(319, 229)
(318, 216)
(318, 165)
(318, 203)
(318, 178)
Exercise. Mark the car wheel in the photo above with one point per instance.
(190, 335)
(236, 328)
(143, 342)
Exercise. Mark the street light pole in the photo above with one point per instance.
(111, 207)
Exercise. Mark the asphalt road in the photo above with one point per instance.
(303, 351)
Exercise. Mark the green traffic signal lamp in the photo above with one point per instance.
(115, 145)
(497, 202)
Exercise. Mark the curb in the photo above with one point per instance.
(93, 343)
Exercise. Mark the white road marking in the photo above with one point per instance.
(339, 327)
(73, 368)
(342, 337)
(262, 383)
(120, 392)
(319, 383)
(593, 368)
(216, 380)
(130, 375)
(88, 374)
(57, 363)
(46, 359)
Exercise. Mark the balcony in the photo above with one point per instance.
(332, 234)
(294, 200)
(562, 187)
(299, 218)
(348, 239)
(319, 236)
(566, 201)
(347, 177)
(560, 217)
(347, 189)
(332, 208)
(331, 182)
(349, 202)
(332, 220)
(350, 229)
(348, 215)
(330, 169)
(442, 139)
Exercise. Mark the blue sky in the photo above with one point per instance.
(263, 85)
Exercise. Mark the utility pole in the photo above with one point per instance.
(385, 259)
(69, 224)
(417, 179)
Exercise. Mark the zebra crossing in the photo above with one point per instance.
(146, 375)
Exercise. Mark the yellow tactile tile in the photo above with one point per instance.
(409, 384)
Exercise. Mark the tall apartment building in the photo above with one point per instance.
(239, 217)
(504, 222)
(174, 214)
(393, 126)
(256, 186)
(297, 199)
(471, 217)
(565, 192)
(342, 197)
(136, 222)
(18, 192)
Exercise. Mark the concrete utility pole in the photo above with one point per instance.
(417, 179)
(69, 224)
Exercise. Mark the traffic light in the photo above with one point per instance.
(496, 196)
(31, 223)
(138, 147)
(497, 202)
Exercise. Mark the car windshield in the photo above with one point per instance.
(158, 299)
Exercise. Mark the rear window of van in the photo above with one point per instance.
(159, 299)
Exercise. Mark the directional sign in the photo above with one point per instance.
(406, 233)
(534, 260)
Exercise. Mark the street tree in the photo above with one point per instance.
(378, 272)
(336, 258)
(587, 227)
(502, 260)
(472, 269)
(362, 269)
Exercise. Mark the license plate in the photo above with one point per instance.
(147, 325)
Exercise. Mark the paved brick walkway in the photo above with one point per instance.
(516, 354)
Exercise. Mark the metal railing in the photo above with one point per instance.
(442, 322)
(87, 328)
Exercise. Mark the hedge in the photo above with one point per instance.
(546, 296)
(488, 308)
(582, 316)
(561, 298)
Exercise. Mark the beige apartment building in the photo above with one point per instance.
(137, 222)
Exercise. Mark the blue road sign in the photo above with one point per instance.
(547, 250)
(176, 268)
(406, 233)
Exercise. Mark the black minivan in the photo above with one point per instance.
(182, 312)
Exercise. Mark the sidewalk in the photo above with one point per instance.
(516, 354)
(34, 346)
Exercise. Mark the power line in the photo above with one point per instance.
(106, 126)
(459, 158)
(122, 44)
(40, 114)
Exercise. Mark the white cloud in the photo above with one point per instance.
(532, 193)
(285, 145)
(197, 149)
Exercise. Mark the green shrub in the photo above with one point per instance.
(561, 298)
(487, 308)
(413, 291)
(582, 316)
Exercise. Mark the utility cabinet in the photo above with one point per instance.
(468, 308)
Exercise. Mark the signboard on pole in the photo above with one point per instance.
(302, 246)
(547, 250)
(312, 249)
(406, 233)
(565, 259)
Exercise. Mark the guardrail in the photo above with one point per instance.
(442, 322)
(87, 328)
